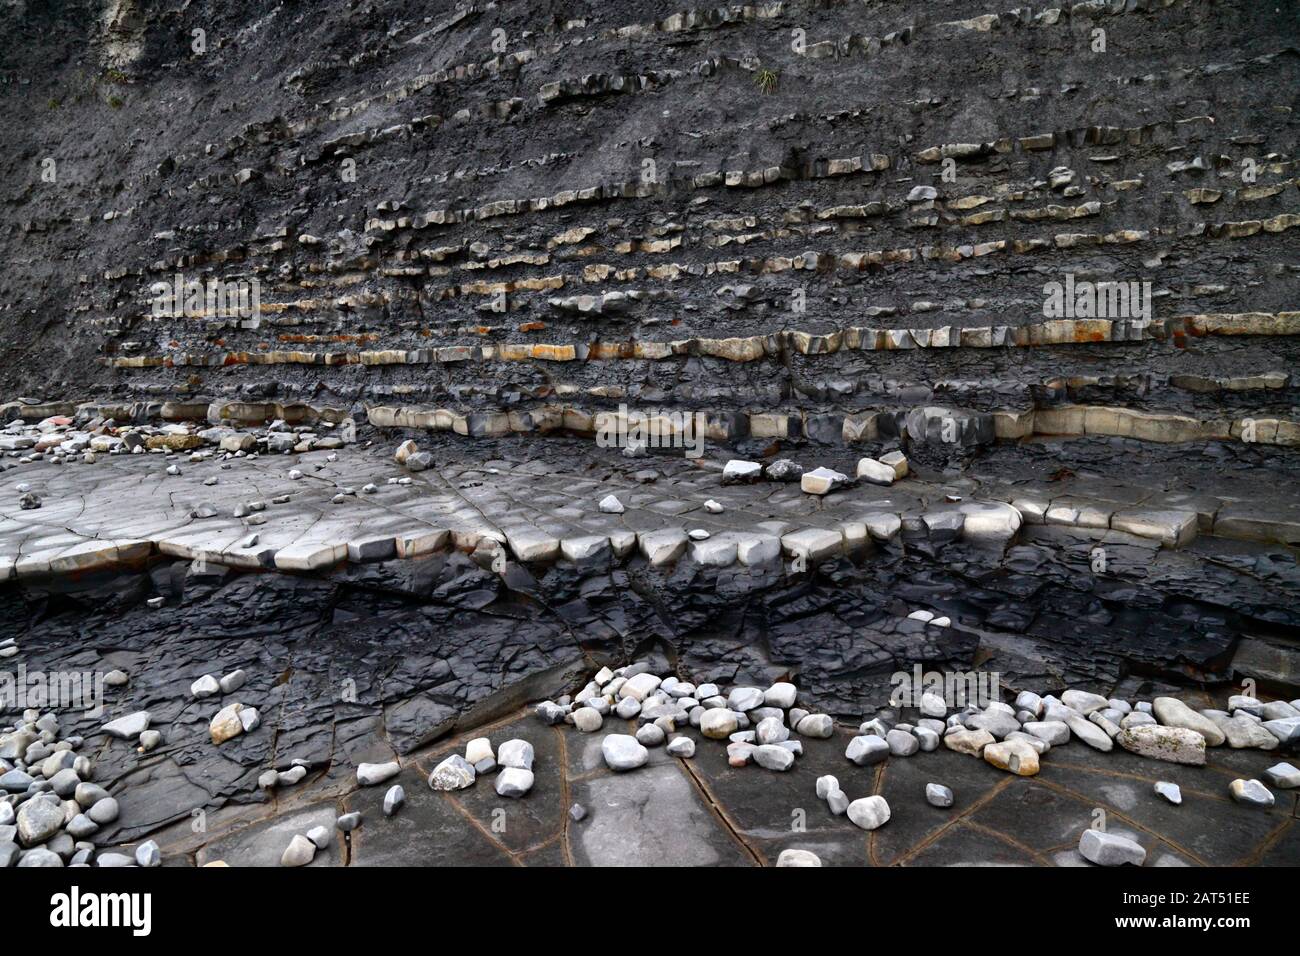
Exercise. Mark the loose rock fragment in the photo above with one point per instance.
(372, 774)
(1170, 791)
(869, 813)
(798, 858)
(299, 852)
(1015, 756)
(516, 753)
(683, 747)
(773, 757)
(1109, 849)
(1251, 792)
(816, 726)
(1284, 776)
(147, 854)
(623, 752)
(226, 724)
(205, 686)
(513, 782)
(970, 742)
(937, 795)
(128, 727)
(867, 750)
(1173, 744)
(394, 799)
(718, 723)
(1174, 713)
(39, 819)
(453, 773)
(587, 720)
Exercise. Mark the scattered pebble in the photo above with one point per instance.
(372, 774)
(513, 782)
(147, 854)
(516, 753)
(454, 773)
(623, 752)
(1284, 776)
(683, 747)
(937, 795)
(1251, 792)
(1109, 849)
(299, 852)
(798, 858)
(1170, 791)
(394, 799)
(869, 813)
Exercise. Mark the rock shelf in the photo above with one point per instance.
(314, 510)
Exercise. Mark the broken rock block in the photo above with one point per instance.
(1173, 529)
(404, 451)
(226, 724)
(1173, 744)
(1110, 849)
(737, 471)
(822, 481)
(970, 742)
(897, 461)
(1015, 756)
(876, 472)
(989, 521)
(1172, 712)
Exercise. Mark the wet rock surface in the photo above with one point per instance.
(251, 688)
(334, 538)
(675, 804)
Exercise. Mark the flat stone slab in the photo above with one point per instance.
(262, 843)
(649, 817)
(429, 830)
(311, 514)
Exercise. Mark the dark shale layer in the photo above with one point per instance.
(404, 176)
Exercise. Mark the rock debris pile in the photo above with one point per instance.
(764, 726)
(51, 808)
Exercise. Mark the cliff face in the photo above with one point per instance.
(482, 205)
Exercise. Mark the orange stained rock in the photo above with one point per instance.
(612, 350)
(557, 353)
